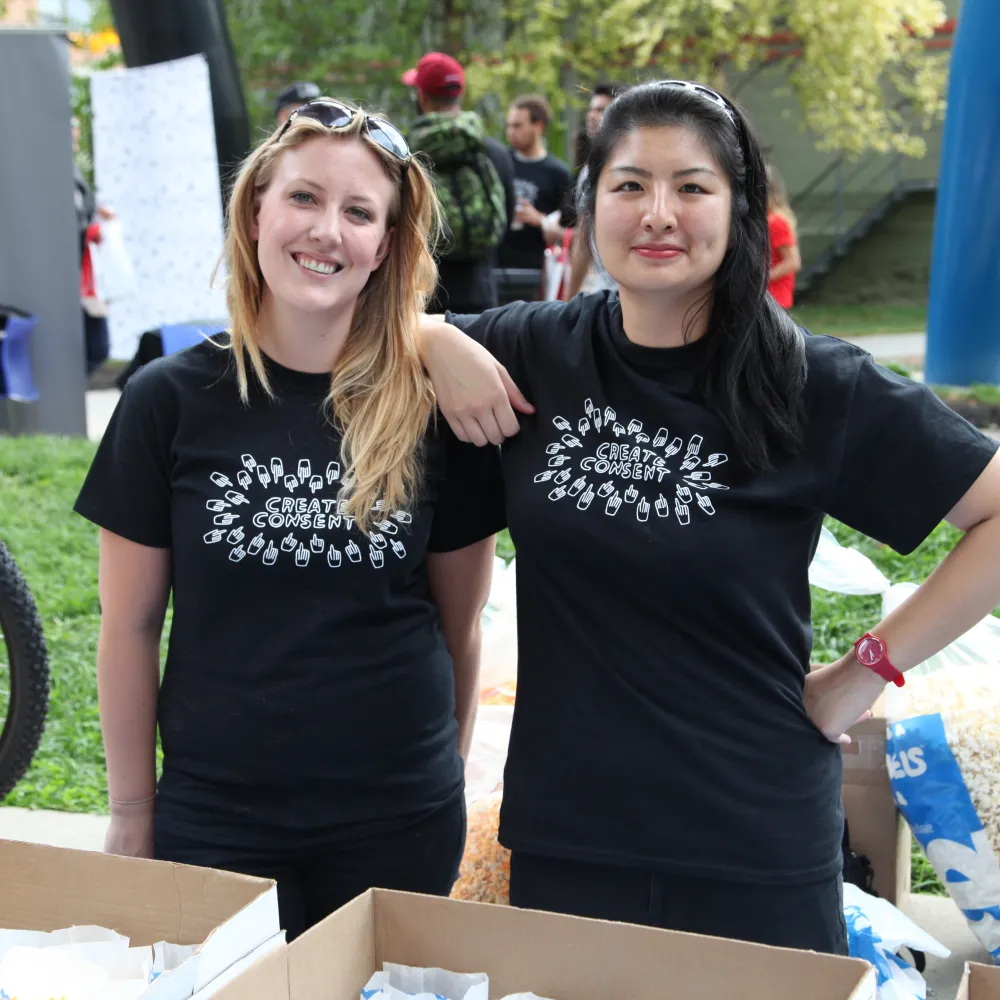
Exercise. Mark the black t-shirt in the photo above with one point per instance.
(663, 599)
(470, 286)
(307, 686)
(545, 184)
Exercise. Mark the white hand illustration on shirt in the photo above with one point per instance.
(662, 506)
(642, 510)
(289, 542)
(244, 480)
(376, 557)
(332, 472)
(277, 469)
(586, 498)
(333, 557)
(270, 556)
(213, 536)
(613, 504)
(256, 544)
(353, 552)
(305, 469)
(291, 484)
(264, 476)
(705, 504)
(249, 462)
(237, 554)
(220, 480)
(301, 556)
(378, 540)
(316, 544)
(631, 495)
(398, 548)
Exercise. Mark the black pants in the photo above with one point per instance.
(422, 856)
(96, 343)
(809, 917)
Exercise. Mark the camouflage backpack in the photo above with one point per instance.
(467, 183)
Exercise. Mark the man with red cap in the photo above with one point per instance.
(474, 178)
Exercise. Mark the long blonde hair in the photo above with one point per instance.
(380, 397)
(777, 199)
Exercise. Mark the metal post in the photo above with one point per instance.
(39, 240)
(963, 331)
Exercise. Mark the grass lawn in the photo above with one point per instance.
(858, 320)
(57, 551)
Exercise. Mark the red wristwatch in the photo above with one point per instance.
(871, 653)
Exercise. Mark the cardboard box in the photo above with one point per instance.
(565, 958)
(230, 916)
(980, 982)
(876, 826)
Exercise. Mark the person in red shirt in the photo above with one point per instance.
(785, 259)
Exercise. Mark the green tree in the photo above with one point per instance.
(859, 68)
(353, 48)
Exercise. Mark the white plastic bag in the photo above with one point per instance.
(404, 982)
(400, 982)
(876, 931)
(114, 276)
(942, 745)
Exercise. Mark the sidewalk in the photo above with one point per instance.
(907, 348)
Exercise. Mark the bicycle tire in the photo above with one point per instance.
(28, 664)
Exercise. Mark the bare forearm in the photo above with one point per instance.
(782, 268)
(128, 682)
(466, 659)
(963, 589)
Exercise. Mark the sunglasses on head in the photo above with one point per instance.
(336, 116)
(702, 91)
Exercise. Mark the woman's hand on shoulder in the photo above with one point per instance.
(474, 391)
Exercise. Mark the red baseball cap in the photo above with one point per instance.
(437, 74)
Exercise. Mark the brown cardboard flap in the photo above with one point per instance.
(980, 982)
(569, 958)
(48, 888)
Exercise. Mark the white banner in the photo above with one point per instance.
(156, 168)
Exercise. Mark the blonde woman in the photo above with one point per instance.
(288, 486)
(786, 261)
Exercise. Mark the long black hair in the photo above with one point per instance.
(754, 368)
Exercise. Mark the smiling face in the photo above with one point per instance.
(322, 224)
(662, 213)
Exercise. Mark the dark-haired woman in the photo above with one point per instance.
(673, 760)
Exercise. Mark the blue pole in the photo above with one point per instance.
(963, 322)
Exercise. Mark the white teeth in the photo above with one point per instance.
(318, 266)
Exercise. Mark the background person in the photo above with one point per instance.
(782, 235)
(474, 178)
(542, 183)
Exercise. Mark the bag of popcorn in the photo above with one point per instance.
(942, 746)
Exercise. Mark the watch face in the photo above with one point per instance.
(870, 650)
